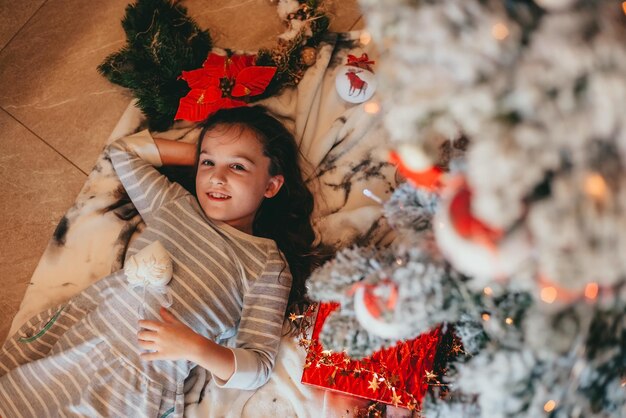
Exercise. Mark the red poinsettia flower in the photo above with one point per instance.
(223, 82)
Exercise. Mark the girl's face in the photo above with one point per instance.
(233, 176)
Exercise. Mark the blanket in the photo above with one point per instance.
(342, 150)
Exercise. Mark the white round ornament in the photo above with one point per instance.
(355, 84)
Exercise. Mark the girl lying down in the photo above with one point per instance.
(227, 261)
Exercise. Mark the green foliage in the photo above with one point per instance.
(162, 41)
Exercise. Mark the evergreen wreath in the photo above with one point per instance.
(163, 41)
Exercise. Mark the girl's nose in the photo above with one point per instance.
(218, 177)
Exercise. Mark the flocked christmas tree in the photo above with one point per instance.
(521, 250)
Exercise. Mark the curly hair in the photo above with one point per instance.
(286, 217)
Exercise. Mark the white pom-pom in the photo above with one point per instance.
(152, 266)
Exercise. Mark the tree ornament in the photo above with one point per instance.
(428, 178)
(371, 302)
(150, 270)
(355, 81)
(308, 55)
(473, 247)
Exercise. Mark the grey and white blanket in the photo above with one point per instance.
(344, 149)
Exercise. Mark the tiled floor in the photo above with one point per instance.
(56, 111)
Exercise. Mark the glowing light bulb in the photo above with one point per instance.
(371, 107)
(595, 186)
(548, 294)
(486, 316)
(487, 291)
(549, 406)
(365, 37)
(500, 31)
(624, 7)
(509, 321)
(591, 290)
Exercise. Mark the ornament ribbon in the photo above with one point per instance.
(362, 62)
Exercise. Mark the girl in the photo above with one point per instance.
(232, 250)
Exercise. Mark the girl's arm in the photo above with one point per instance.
(176, 153)
(134, 159)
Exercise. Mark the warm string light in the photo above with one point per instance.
(595, 186)
(365, 37)
(624, 7)
(591, 290)
(372, 107)
(486, 316)
(548, 294)
(487, 291)
(549, 406)
(509, 321)
(499, 31)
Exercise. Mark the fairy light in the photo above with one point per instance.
(487, 291)
(500, 31)
(365, 37)
(549, 406)
(591, 291)
(485, 316)
(371, 107)
(624, 7)
(548, 294)
(509, 321)
(595, 186)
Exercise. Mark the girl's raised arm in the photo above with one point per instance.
(134, 159)
(176, 153)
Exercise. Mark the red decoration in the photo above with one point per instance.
(398, 375)
(362, 62)
(374, 304)
(223, 82)
(429, 179)
(466, 225)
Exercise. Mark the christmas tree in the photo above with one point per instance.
(521, 249)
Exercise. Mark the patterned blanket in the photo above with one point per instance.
(343, 153)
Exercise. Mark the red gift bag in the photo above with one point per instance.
(397, 376)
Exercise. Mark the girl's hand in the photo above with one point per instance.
(169, 340)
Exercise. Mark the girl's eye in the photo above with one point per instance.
(238, 167)
(206, 162)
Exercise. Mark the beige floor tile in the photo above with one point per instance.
(38, 186)
(251, 24)
(359, 24)
(343, 14)
(48, 77)
(13, 15)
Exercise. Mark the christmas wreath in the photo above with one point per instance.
(170, 66)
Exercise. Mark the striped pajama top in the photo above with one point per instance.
(82, 358)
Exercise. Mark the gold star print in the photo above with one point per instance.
(430, 376)
(374, 384)
(395, 398)
(457, 348)
(293, 317)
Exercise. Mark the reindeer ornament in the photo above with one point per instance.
(355, 81)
